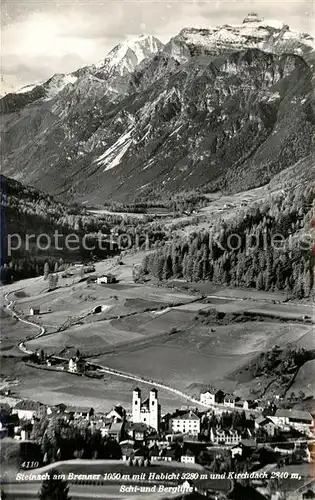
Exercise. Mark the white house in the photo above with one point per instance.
(188, 457)
(227, 437)
(27, 410)
(76, 365)
(116, 414)
(208, 397)
(229, 400)
(188, 423)
(34, 311)
(267, 424)
(300, 420)
(78, 411)
(106, 278)
(236, 450)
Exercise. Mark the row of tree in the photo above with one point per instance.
(64, 440)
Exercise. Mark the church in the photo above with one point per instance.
(148, 411)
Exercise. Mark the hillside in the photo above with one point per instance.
(29, 220)
(26, 209)
(225, 108)
(36, 228)
(267, 246)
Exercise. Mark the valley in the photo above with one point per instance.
(152, 119)
(147, 330)
(157, 235)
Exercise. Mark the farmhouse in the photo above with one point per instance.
(208, 397)
(23, 433)
(148, 411)
(106, 278)
(300, 420)
(113, 430)
(229, 400)
(188, 423)
(34, 311)
(116, 414)
(27, 410)
(227, 437)
(76, 365)
(239, 403)
(79, 411)
(89, 269)
(116, 430)
(266, 424)
(138, 431)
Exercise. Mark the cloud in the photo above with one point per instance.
(60, 36)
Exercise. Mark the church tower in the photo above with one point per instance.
(136, 405)
(154, 409)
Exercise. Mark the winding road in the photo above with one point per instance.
(106, 369)
(111, 371)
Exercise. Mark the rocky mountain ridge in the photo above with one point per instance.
(153, 118)
(254, 32)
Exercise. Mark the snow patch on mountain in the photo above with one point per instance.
(57, 83)
(113, 155)
(27, 88)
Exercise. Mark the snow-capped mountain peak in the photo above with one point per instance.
(27, 88)
(254, 32)
(128, 54)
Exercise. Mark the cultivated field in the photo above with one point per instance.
(143, 330)
(305, 380)
(59, 387)
(196, 354)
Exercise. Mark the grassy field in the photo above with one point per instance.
(12, 331)
(60, 387)
(78, 300)
(305, 380)
(199, 355)
(103, 336)
(138, 332)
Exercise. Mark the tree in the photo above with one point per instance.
(46, 270)
(42, 356)
(54, 488)
(53, 281)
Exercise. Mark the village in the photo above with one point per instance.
(228, 436)
(209, 431)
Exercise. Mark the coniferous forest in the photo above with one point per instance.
(267, 247)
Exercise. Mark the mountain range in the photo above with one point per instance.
(222, 108)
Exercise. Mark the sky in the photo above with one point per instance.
(40, 38)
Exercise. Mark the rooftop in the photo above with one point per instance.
(190, 415)
(116, 427)
(78, 409)
(138, 427)
(28, 405)
(211, 390)
(229, 397)
(294, 414)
